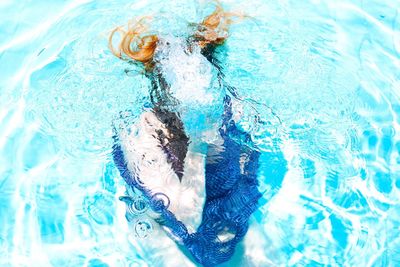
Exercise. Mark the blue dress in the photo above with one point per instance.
(231, 195)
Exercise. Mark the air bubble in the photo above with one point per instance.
(139, 206)
(143, 228)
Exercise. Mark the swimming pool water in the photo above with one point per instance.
(320, 86)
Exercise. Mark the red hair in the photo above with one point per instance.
(214, 29)
(137, 45)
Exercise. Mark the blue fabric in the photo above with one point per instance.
(231, 195)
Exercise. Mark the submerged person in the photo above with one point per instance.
(201, 183)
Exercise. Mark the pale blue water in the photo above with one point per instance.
(330, 168)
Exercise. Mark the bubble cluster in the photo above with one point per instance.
(136, 213)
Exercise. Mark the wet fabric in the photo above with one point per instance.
(231, 195)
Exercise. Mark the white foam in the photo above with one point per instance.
(189, 74)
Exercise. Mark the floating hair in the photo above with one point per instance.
(214, 29)
(136, 43)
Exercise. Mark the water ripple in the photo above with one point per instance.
(319, 85)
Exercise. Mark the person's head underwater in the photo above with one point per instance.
(139, 45)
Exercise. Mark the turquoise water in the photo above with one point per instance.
(321, 86)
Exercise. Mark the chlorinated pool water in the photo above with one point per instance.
(320, 95)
